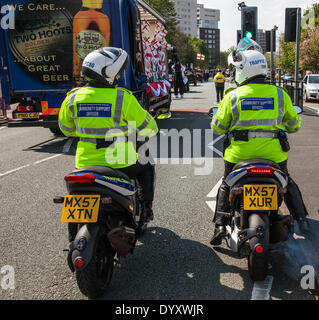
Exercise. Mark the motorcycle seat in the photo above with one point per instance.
(248, 162)
(105, 171)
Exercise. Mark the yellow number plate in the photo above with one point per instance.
(28, 115)
(260, 197)
(80, 208)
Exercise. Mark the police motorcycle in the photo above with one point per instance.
(103, 210)
(257, 189)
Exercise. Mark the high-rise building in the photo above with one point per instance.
(261, 39)
(187, 16)
(207, 22)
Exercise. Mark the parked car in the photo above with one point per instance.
(287, 76)
(191, 75)
(311, 87)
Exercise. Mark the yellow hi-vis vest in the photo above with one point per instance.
(256, 107)
(219, 78)
(111, 114)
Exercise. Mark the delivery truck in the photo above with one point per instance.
(42, 52)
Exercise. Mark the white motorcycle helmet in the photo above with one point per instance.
(248, 61)
(104, 64)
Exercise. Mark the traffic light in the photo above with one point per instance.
(249, 22)
(290, 24)
(268, 39)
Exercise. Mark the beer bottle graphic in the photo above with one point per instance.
(91, 30)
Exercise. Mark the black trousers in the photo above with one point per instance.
(178, 85)
(145, 175)
(219, 92)
(293, 197)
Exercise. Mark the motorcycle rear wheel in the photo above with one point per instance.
(258, 262)
(95, 278)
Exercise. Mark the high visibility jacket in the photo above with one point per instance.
(256, 107)
(219, 78)
(110, 114)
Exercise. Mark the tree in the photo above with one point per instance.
(223, 64)
(309, 51)
(288, 55)
(199, 46)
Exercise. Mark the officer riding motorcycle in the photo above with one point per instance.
(105, 118)
(255, 117)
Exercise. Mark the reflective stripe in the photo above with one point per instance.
(118, 108)
(88, 140)
(258, 122)
(292, 123)
(71, 103)
(295, 129)
(234, 108)
(64, 128)
(219, 125)
(101, 131)
(145, 123)
(150, 134)
(281, 105)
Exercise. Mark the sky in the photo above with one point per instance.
(270, 13)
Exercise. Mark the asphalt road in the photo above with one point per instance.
(173, 259)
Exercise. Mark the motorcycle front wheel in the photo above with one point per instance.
(95, 278)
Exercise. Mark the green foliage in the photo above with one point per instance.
(288, 56)
(309, 51)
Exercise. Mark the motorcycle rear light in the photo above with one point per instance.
(25, 108)
(260, 170)
(79, 262)
(106, 200)
(58, 200)
(259, 249)
(81, 178)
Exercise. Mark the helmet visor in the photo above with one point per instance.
(248, 44)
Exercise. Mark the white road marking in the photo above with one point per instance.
(211, 146)
(211, 205)
(67, 145)
(261, 290)
(1, 128)
(213, 192)
(66, 148)
(14, 170)
(46, 159)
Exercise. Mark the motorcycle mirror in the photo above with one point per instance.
(298, 109)
(212, 111)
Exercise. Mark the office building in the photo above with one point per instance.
(187, 16)
(207, 23)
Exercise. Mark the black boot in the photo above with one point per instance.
(296, 206)
(147, 208)
(219, 234)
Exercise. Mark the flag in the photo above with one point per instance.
(200, 56)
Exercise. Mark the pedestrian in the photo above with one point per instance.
(178, 77)
(219, 81)
(4, 106)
